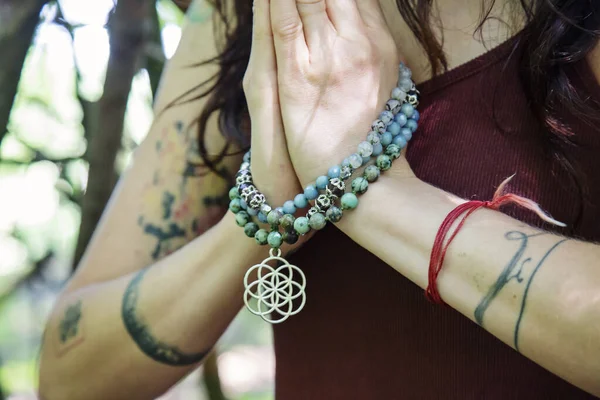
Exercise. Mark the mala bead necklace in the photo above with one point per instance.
(278, 292)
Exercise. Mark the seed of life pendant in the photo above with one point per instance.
(274, 289)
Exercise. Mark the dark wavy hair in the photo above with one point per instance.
(557, 34)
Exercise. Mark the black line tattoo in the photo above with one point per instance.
(513, 271)
(527, 286)
(174, 231)
(167, 204)
(69, 325)
(142, 336)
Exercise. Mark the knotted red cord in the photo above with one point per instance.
(439, 247)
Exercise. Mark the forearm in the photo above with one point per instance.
(138, 335)
(536, 291)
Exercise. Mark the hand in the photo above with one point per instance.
(336, 65)
(272, 170)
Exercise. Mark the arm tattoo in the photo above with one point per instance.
(514, 271)
(70, 331)
(140, 332)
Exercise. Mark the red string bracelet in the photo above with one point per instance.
(462, 212)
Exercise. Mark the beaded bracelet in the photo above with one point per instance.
(276, 289)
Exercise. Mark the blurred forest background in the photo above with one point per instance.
(77, 80)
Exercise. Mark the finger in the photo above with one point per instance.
(262, 53)
(344, 15)
(315, 21)
(291, 50)
(371, 13)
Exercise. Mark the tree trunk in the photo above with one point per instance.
(210, 376)
(155, 55)
(18, 20)
(128, 32)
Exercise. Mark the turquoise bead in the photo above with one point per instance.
(407, 133)
(261, 237)
(287, 221)
(243, 204)
(393, 150)
(360, 185)
(400, 141)
(289, 207)
(234, 193)
(300, 201)
(252, 212)
(401, 119)
(317, 221)
(235, 206)
(371, 173)
(274, 217)
(334, 214)
(250, 229)
(349, 201)
(394, 128)
(301, 225)
(416, 115)
(274, 239)
(310, 192)
(242, 218)
(377, 149)
(334, 172)
(262, 217)
(408, 110)
(412, 125)
(384, 162)
(386, 138)
(322, 182)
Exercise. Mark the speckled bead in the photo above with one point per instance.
(412, 125)
(255, 200)
(233, 193)
(373, 137)
(235, 206)
(365, 149)
(334, 172)
(387, 117)
(394, 128)
(345, 163)
(355, 161)
(377, 149)
(401, 119)
(317, 221)
(408, 110)
(399, 141)
(323, 202)
(335, 187)
(273, 217)
(371, 173)
(301, 225)
(349, 201)
(289, 207)
(334, 214)
(322, 182)
(287, 221)
(310, 192)
(393, 151)
(243, 176)
(242, 218)
(359, 185)
(393, 106)
(312, 211)
(398, 94)
(250, 229)
(345, 172)
(290, 237)
(274, 239)
(378, 126)
(300, 201)
(384, 162)
(386, 138)
(261, 237)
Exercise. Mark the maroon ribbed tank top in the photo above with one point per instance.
(369, 333)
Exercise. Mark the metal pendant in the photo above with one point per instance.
(274, 289)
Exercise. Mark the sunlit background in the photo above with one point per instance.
(43, 176)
